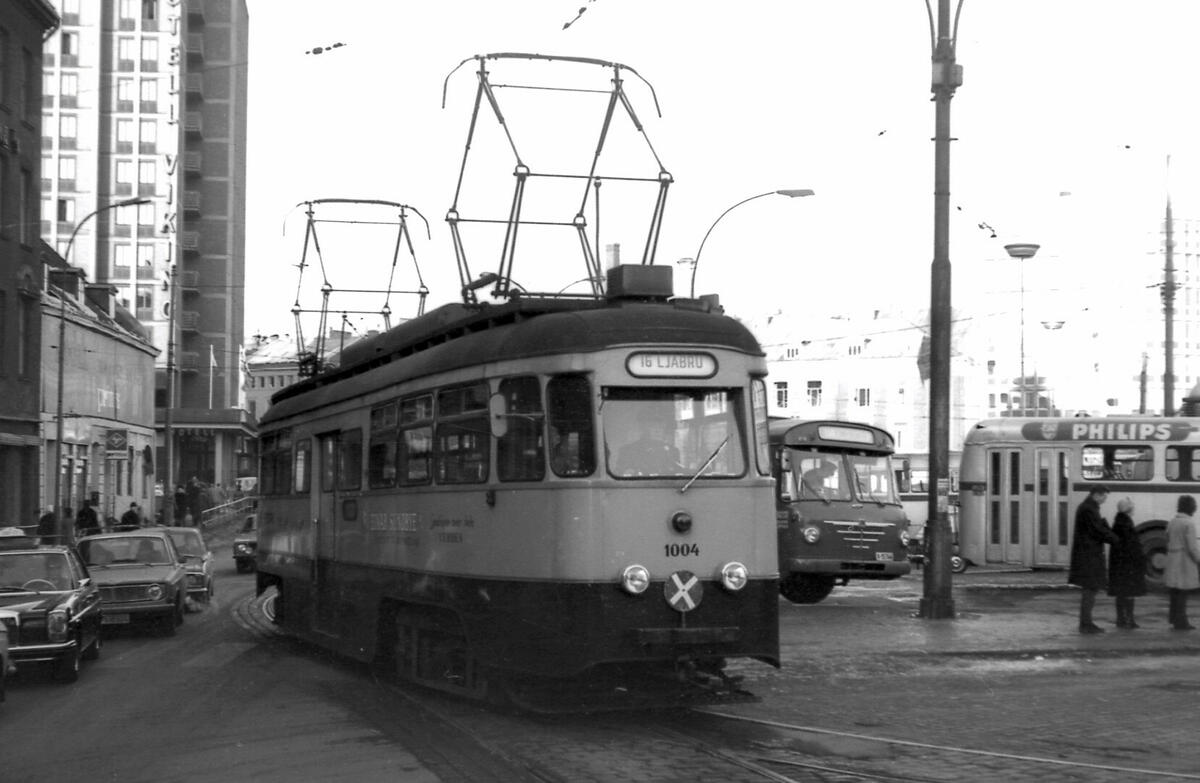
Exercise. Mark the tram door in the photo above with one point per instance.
(325, 534)
(1052, 524)
(1005, 506)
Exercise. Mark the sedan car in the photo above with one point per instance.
(141, 577)
(189, 541)
(245, 545)
(49, 606)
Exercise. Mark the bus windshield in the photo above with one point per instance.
(828, 476)
(873, 478)
(673, 432)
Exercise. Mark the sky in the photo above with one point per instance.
(1063, 127)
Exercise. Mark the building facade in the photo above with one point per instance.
(147, 99)
(23, 26)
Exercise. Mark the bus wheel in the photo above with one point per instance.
(1154, 544)
(958, 564)
(806, 588)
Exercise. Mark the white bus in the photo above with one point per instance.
(1022, 479)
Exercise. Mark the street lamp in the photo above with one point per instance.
(1022, 251)
(796, 193)
(65, 526)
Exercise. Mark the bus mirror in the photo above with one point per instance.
(498, 408)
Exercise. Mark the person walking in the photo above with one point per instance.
(1088, 569)
(87, 521)
(1126, 565)
(1180, 571)
(131, 519)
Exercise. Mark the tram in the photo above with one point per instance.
(838, 513)
(532, 498)
(1022, 479)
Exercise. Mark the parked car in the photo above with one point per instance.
(245, 545)
(141, 577)
(198, 560)
(49, 606)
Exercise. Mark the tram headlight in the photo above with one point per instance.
(635, 579)
(734, 576)
(811, 534)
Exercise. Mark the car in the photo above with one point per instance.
(5, 662)
(141, 576)
(50, 606)
(189, 541)
(245, 545)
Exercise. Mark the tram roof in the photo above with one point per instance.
(1085, 429)
(454, 336)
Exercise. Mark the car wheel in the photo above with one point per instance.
(93, 651)
(67, 669)
(806, 588)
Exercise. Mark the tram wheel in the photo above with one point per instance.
(806, 588)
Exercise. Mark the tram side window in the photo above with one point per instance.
(761, 437)
(283, 463)
(463, 435)
(301, 465)
(1118, 463)
(520, 451)
(1181, 463)
(381, 453)
(572, 434)
(350, 460)
(266, 468)
(414, 462)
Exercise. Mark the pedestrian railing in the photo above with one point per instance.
(234, 509)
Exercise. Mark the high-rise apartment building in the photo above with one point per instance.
(147, 99)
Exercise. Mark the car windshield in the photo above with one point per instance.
(132, 549)
(34, 571)
(188, 542)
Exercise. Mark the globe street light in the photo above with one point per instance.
(65, 526)
(1022, 251)
(796, 193)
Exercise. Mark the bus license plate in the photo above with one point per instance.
(115, 619)
(883, 556)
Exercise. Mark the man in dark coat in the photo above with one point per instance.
(1088, 567)
(131, 519)
(87, 522)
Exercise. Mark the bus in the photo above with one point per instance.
(538, 500)
(837, 511)
(912, 482)
(1022, 479)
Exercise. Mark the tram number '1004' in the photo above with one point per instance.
(681, 550)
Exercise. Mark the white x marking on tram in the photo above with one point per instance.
(683, 591)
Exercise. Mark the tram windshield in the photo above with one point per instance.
(673, 432)
(822, 475)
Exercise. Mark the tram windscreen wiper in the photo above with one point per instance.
(704, 467)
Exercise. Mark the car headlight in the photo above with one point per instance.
(58, 625)
(635, 579)
(811, 534)
(154, 592)
(904, 538)
(734, 576)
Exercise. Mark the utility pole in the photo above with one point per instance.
(1168, 297)
(168, 473)
(937, 601)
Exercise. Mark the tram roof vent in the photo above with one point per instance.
(640, 281)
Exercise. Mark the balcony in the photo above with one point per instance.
(190, 280)
(195, 12)
(193, 124)
(195, 47)
(191, 201)
(189, 361)
(189, 321)
(194, 85)
(190, 241)
(193, 163)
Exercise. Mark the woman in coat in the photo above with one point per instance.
(1088, 569)
(1181, 572)
(1126, 565)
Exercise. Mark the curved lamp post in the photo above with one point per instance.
(795, 193)
(65, 526)
(1022, 251)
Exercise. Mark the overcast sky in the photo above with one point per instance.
(1063, 124)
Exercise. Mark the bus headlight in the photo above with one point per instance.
(904, 538)
(811, 534)
(635, 579)
(734, 576)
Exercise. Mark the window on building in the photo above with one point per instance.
(68, 85)
(149, 90)
(814, 393)
(68, 127)
(145, 214)
(781, 395)
(149, 9)
(127, 9)
(122, 261)
(125, 131)
(125, 90)
(145, 297)
(27, 209)
(65, 212)
(991, 367)
(148, 135)
(24, 332)
(147, 172)
(66, 168)
(31, 86)
(124, 173)
(150, 49)
(792, 353)
(863, 396)
(126, 50)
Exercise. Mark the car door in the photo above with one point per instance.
(89, 608)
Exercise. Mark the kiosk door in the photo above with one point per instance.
(1005, 502)
(1052, 525)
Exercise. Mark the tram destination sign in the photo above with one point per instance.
(671, 364)
(1108, 431)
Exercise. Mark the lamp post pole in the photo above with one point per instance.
(793, 193)
(65, 526)
(168, 498)
(1022, 251)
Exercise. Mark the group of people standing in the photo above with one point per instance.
(1123, 576)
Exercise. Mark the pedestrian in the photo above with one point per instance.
(1180, 571)
(1126, 565)
(1088, 569)
(180, 501)
(87, 521)
(131, 519)
(47, 527)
